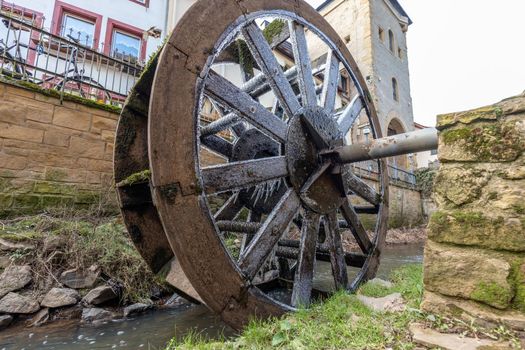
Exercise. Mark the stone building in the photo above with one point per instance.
(375, 32)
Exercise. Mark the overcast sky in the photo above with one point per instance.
(463, 53)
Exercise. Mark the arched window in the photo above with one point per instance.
(391, 43)
(395, 90)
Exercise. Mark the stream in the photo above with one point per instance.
(154, 329)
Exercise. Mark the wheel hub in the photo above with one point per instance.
(253, 144)
(318, 183)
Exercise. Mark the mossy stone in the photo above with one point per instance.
(482, 142)
(459, 185)
(467, 117)
(469, 273)
(6, 200)
(492, 294)
(46, 187)
(476, 229)
(27, 201)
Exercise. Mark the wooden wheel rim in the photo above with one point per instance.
(176, 178)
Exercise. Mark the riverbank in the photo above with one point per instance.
(82, 267)
(361, 321)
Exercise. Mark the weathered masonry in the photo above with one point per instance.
(52, 154)
(475, 254)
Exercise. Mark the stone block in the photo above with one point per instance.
(47, 187)
(101, 123)
(468, 117)
(468, 273)
(12, 162)
(104, 166)
(40, 115)
(459, 185)
(108, 136)
(81, 147)
(65, 175)
(470, 311)
(13, 90)
(93, 177)
(476, 229)
(17, 132)
(11, 112)
(28, 201)
(51, 201)
(503, 141)
(72, 119)
(6, 200)
(56, 138)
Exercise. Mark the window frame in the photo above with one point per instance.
(381, 34)
(79, 18)
(391, 41)
(62, 8)
(145, 3)
(395, 89)
(126, 29)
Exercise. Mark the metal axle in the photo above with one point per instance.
(411, 142)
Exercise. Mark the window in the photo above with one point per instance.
(395, 90)
(124, 45)
(78, 28)
(79, 23)
(344, 85)
(124, 41)
(381, 34)
(29, 16)
(399, 53)
(391, 40)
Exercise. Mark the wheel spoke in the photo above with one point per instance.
(218, 145)
(350, 114)
(263, 55)
(356, 227)
(242, 104)
(361, 188)
(229, 209)
(221, 124)
(304, 68)
(239, 175)
(331, 79)
(254, 220)
(267, 237)
(337, 254)
(304, 274)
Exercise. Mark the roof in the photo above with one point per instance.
(420, 126)
(394, 4)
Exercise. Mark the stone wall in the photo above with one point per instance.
(52, 153)
(475, 254)
(405, 206)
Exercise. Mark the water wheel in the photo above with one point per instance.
(218, 161)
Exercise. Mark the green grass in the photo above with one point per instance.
(341, 322)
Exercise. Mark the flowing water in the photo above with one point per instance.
(154, 329)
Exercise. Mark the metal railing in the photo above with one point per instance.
(369, 169)
(30, 53)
